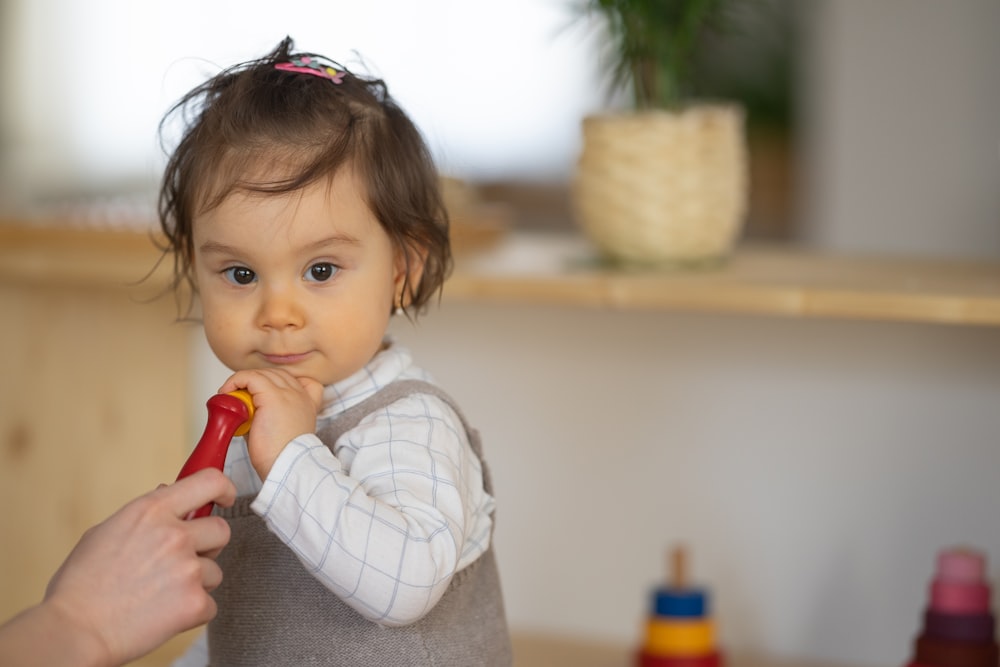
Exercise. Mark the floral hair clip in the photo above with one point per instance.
(308, 65)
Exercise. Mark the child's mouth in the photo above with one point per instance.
(284, 359)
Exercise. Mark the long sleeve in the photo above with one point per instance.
(387, 518)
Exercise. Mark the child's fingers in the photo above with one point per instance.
(251, 380)
(238, 380)
(257, 380)
(314, 389)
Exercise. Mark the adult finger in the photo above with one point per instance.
(190, 493)
(211, 574)
(209, 535)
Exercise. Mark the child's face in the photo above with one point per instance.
(304, 282)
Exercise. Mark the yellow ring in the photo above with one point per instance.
(247, 399)
(680, 638)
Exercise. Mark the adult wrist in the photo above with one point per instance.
(83, 645)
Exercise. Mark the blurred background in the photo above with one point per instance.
(814, 468)
(875, 124)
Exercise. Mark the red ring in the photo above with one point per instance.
(644, 659)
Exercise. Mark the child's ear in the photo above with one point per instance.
(409, 269)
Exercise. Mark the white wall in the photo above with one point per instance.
(497, 87)
(814, 468)
(902, 126)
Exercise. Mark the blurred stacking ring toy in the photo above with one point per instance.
(228, 415)
(958, 624)
(679, 631)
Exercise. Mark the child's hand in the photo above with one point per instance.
(284, 408)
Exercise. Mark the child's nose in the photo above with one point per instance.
(279, 309)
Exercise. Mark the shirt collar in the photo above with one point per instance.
(384, 368)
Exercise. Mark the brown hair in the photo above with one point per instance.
(253, 118)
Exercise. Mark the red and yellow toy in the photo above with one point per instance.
(229, 415)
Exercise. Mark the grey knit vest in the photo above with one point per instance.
(273, 612)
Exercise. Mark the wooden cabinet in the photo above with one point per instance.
(93, 392)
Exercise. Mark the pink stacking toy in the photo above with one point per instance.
(958, 624)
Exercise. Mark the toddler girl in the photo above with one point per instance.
(302, 207)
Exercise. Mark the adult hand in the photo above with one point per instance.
(132, 582)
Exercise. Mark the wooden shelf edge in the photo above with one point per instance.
(773, 281)
(52, 255)
(559, 269)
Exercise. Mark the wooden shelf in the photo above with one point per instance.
(560, 269)
(778, 280)
(81, 256)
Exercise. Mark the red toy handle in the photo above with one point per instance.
(228, 415)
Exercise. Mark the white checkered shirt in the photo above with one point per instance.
(397, 508)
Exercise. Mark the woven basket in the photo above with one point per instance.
(663, 187)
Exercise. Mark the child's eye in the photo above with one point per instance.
(240, 275)
(321, 272)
